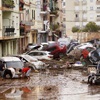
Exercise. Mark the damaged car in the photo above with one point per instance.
(94, 56)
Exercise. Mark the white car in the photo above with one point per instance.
(31, 61)
(13, 62)
(83, 45)
(41, 55)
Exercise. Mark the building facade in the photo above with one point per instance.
(29, 21)
(80, 12)
(9, 27)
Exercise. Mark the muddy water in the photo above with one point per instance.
(50, 85)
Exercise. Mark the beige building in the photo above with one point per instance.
(9, 27)
(80, 12)
(56, 18)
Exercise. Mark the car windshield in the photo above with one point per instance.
(15, 64)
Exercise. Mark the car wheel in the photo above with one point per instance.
(91, 80)
(8, 76)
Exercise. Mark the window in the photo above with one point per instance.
(98, 8)
(91, 0)
(64, 19)
(76, 15)
(91, 8)
(63, 3)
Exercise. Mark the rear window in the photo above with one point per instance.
(15, 64)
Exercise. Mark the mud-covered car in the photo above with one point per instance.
(31, 61)
(13, 62)
(57, 51)
(85, 52)
(94, 74)
(94, 56)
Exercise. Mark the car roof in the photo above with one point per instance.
(26, 56)
(9, 58)
(40, 51)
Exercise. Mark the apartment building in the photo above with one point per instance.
(80, 12)
(44, 15)
(55, 19)
(9, 27)
(27, 16)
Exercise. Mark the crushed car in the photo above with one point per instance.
(94, 56)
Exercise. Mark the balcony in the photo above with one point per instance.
(25, 27)
(8, 31)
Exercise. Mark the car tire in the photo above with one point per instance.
(7, 76)
(91, 80)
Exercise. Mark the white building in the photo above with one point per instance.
(9, 27)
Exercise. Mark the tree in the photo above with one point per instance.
(8, 3)
(91, 27)
(75, 29)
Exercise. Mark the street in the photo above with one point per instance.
(67, 84)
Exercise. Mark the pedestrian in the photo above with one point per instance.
(9, 71)
(25, 72)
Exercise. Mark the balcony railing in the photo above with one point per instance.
(8, 31)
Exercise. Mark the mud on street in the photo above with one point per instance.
(52, 84)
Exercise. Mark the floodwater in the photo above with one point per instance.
(50, 85)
